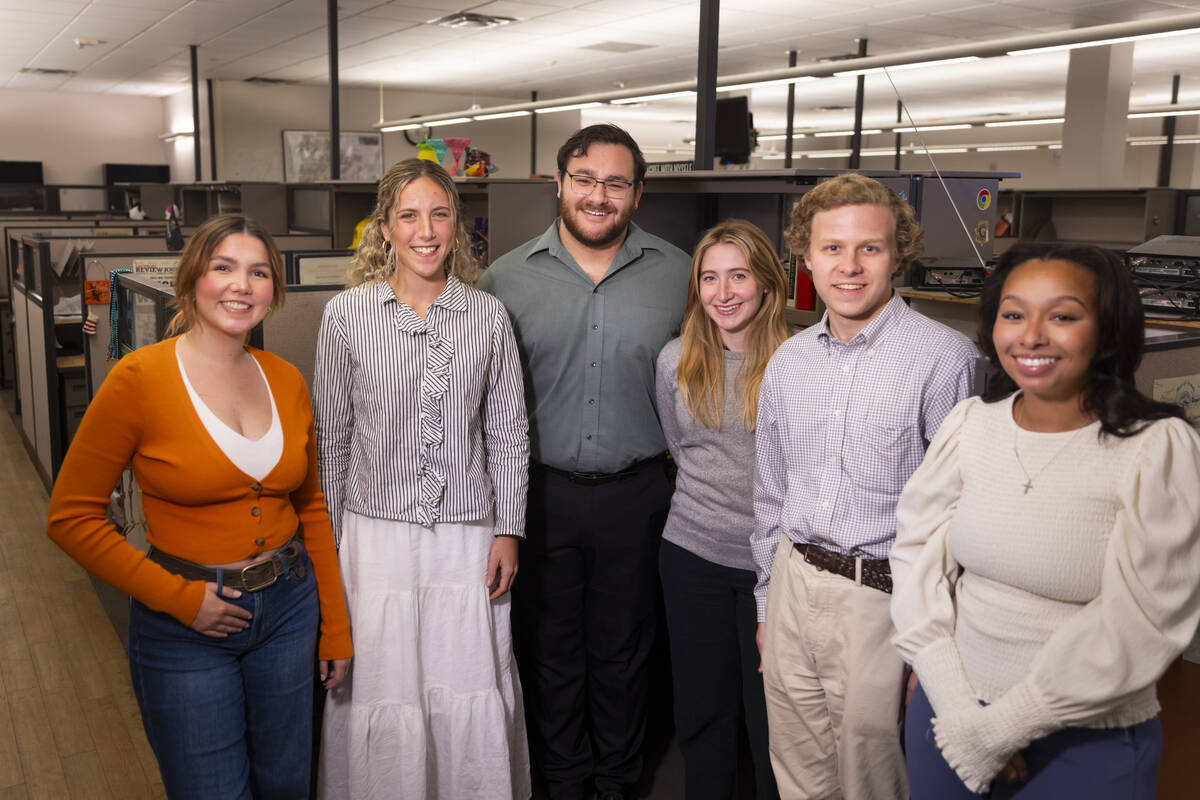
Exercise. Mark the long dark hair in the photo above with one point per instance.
(1110, 394)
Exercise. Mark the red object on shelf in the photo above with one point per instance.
(804, 290)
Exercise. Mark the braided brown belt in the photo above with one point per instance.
(876, 573)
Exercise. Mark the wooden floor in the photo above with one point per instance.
(69, 724)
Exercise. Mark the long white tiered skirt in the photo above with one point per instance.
(432, 707)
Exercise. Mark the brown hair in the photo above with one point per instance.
(194, 260)
(374, 259)
(852, 189)
(701, 373)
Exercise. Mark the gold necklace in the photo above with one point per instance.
(1017, 431)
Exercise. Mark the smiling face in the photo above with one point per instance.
(236, 290)
(420, 229)
(728, 292)
(852, 257)
(1047, 328)
(596, 219)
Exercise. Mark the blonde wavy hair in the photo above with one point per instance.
(193, 263)
(852, 189)
(374, 259)
(701, 373)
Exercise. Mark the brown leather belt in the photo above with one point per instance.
(876, 573)
(251, 578)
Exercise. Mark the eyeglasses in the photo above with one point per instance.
(613, 187)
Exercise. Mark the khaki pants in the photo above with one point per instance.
(834, 685)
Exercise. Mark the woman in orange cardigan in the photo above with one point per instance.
(223, 625)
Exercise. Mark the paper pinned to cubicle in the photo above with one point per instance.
(159, 270)
(1183, 391)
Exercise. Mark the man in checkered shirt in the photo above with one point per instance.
(846, 411)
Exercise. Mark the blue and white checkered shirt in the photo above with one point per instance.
(842, 426)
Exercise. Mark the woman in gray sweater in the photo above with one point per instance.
(707, 386)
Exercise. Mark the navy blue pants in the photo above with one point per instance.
(231, 718)
(1096, 763)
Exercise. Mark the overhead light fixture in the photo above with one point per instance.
(571, 107)
(759, 84)
(826, 154)
(924, 128)
(651, 97)
(771, 156)
(1101, 42)
(941, 62)
(1001, 148)
(503, 115)
(1149, 142)
(779, 137)
(467, 19)
(171, 137)
(1054, 146)
(1148, 114)
(412, 126)
(452, 121)
(938, 150)
(866, 132)
(1012, 123)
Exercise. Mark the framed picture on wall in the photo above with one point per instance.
(306, 156)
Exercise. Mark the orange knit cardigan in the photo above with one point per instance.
(198, 505)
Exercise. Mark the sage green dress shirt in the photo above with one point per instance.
(589, 350)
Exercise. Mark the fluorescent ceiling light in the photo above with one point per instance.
(846, 133)
(1012, 123)
(1100, 42)
(572, 107)
(412, 126)
(873, 153)
(771, 156)
(503, 115)
(936, 150)
(760, 84)
(1148, 142)
(648, 98)
(779, 137)
(923, 128)
(453, 121)
(170, 137)
(826, 154)
(1001, 148)
(1054, 147)
(1146, 114)
(898, 67)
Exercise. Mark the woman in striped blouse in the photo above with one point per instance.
(423, 454)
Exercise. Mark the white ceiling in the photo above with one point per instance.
(145, 49)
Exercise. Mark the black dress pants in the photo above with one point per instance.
(712, 619)
(585, 623)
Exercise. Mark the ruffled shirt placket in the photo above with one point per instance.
(435, 382)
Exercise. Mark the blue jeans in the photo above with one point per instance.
(231, 718)
(1096, 763)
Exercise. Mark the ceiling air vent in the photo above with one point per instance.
(269, 81)
(44, 71)
(467, 19)
(616, 47)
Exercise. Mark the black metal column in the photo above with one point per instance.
(212, 132)
(856, 137)
(335, 122)
(1168, 149)
(533, 138)
(791, 111)
(706, 84)
(899, 119)
(195, 111)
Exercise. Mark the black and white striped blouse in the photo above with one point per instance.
(421, 420)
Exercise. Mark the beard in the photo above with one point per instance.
(617, 227)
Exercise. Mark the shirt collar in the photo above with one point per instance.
(874, 330)
(452, 298)
(637, 241)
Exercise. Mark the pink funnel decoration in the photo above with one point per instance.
(457, 145)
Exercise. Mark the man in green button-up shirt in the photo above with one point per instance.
(592, 301)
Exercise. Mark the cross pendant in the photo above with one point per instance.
(1028, 485)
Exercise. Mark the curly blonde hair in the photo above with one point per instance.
(374, 259)
(852, 189)
(701, 372)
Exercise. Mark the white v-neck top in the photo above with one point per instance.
(255, 457)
